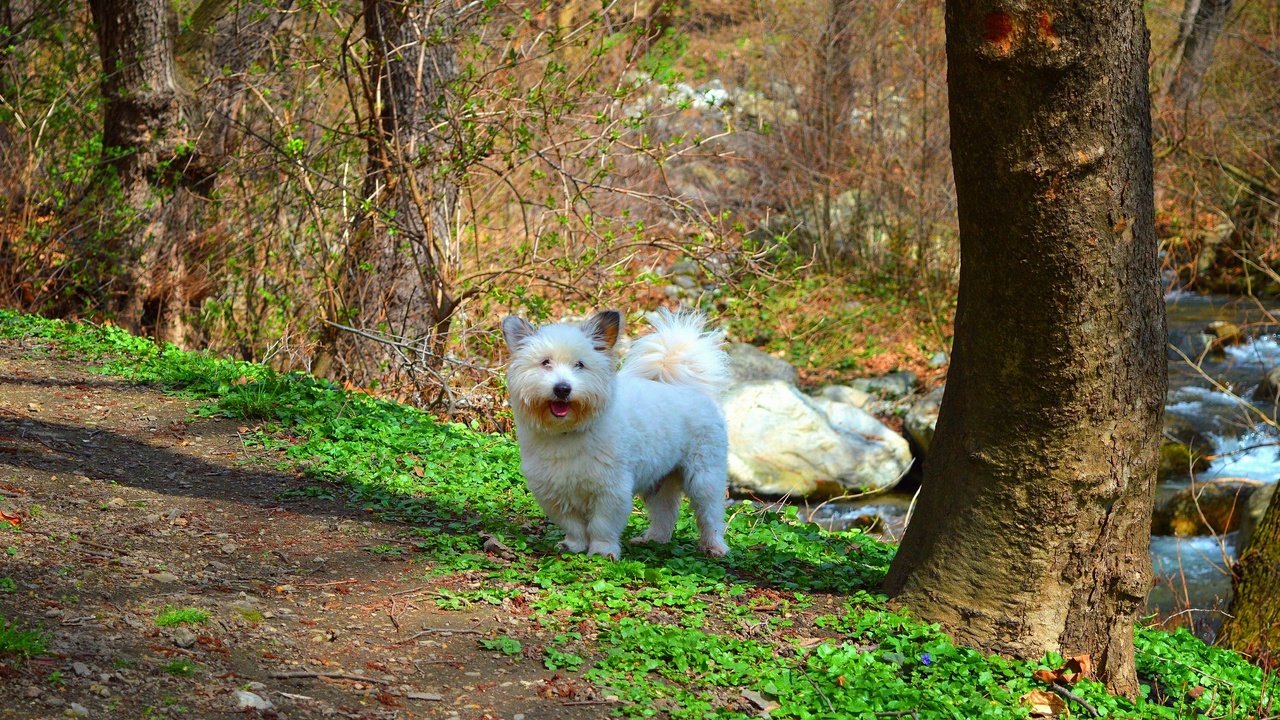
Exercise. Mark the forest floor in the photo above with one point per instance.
(120, 504)
(188, 536)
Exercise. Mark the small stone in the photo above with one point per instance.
(54, 700)
(229, 548)
(429, 696)
(164, 577)
(246, 700)
(80, 669)
(117, 503)
(32, 692)
(53, 613)
(184, 638)
(78, 710)
(256, 686)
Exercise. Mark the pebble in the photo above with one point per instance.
(80, 669)
(164, 577)
(424, 696)
(117, 503)
(184, 638)
(246, 700)
(32, 692)
(78, 710)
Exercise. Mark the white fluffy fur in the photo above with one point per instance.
(651, 428)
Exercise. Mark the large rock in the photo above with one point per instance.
(749, 363)
(922, 418)
(783, 443)
(894, 386)
(1180, 460)
(1254, 509)
(1211, 507)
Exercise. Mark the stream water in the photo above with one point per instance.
(1203, 401)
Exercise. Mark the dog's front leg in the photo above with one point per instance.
(608, 518)
(567, 519)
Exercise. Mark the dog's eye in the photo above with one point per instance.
(546, 363)
(579, 365)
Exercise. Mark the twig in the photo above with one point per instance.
(591, 702)
(1068, 695)
(81, 541)
(437, 631)
(328, 583)
(425, 589)
(332, 674)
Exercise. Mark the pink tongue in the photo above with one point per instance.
(559, 409)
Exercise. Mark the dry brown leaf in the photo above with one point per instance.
(763, 704)
(1042, 703)
(1079, 668)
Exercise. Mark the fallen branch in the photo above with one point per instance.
(1068, 695)
(437, 631)
(331, 674)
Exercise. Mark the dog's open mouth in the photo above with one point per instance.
(559, 409)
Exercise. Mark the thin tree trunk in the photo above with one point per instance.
(1032, 528)
(394, 281)
(1197, 50)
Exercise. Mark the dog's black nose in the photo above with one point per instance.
(561, 390)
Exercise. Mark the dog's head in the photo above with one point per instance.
(562, 376)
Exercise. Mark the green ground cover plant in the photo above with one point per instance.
(172, 616)
(791, 619)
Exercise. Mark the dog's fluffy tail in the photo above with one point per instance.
(680, 351)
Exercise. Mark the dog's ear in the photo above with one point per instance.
(515, 331)
(603, 328)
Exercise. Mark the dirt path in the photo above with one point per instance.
(127, 504)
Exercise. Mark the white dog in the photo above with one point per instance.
(593, 435)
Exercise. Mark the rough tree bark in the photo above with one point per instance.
(395, 276)
(142, 129)
(1197, 49)
(1252, 626)
(170, 103)
(1032, 528)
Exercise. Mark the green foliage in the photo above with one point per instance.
(676, 634)
(182, 667)
(503, 644)
(16, 641)
(171, 616)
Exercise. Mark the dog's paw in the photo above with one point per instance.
(713, 548)
(609, 550)
(571, 547)
(648, 538)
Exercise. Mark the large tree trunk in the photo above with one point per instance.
(1197, 49)
(1032, 528)
(150, 200)
(394, 281)
(142, 129)
(1252, 626)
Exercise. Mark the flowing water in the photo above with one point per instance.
(1204, 402)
